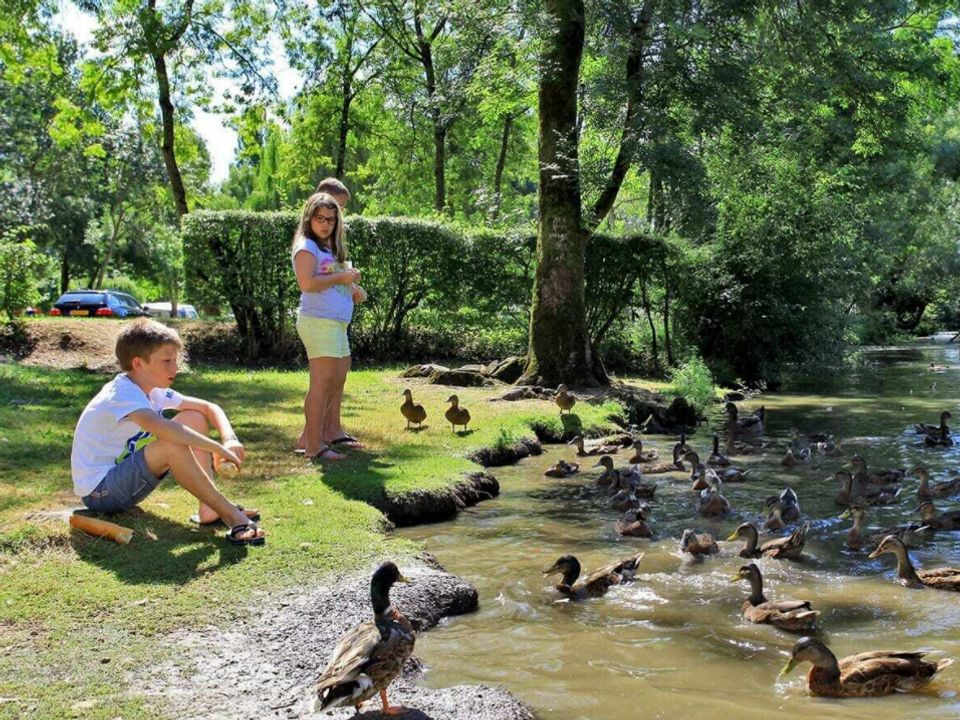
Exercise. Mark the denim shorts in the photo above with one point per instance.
(123, 486)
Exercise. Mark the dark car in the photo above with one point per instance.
(101, 303)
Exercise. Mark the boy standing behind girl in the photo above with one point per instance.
(329, 290)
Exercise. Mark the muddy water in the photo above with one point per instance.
(673, 644)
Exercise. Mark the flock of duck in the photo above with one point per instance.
(370, 656)
(865, 674)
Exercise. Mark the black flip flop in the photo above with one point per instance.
(344, 439)
(239, 530)
(195, 519)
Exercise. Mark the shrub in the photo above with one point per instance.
(22, 268)
(409, 268)
(692, 380)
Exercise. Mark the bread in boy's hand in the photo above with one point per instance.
(228, 469)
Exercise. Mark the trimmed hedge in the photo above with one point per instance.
(446, 281)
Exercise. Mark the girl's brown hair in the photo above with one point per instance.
(338, 242)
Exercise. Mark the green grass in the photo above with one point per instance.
(78, 614)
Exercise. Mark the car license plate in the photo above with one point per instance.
(79, 312)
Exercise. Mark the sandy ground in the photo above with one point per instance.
(265, 666)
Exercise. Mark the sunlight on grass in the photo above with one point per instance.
(62, 594)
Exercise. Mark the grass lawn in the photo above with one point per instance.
(78, 614)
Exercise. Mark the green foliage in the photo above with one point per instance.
(693, 381)
(22, 268)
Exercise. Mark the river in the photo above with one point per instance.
(673, 643)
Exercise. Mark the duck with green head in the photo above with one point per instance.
(372, 654)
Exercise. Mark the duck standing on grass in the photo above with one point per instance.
(869, 674)
(455, 414)
(371, 655)
(411, 412)
(564, 400)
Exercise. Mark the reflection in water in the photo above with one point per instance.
(673, 643)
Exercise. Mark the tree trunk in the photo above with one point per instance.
(645, 299)
(559, 350)
(425, 52)
(167, 146)
(668, 346)
(344, 130)
(439, 163)
(501, 164)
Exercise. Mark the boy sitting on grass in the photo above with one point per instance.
(123, 446)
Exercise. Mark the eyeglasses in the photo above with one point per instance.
(325, 220)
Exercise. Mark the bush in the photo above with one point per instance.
(410, 268)
(692, 380)
(22, 268)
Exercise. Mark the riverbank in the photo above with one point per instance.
(81, 619)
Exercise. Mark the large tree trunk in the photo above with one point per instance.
(559, 350)
(167, 146)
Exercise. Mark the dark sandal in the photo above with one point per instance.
(347, 440)
(324, 450)
(195, 519)
(239, 530)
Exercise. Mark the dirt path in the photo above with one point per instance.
(265, 667)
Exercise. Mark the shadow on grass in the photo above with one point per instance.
(175, 557)
(571, 423)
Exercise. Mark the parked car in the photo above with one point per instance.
(164, 309)
(100, 303)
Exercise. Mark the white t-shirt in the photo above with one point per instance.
(104, 436)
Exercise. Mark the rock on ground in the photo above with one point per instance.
(265, 666)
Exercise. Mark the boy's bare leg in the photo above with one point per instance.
(162, 455)
(196, 421)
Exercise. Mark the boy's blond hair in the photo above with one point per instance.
(332, 186)
(141, 338)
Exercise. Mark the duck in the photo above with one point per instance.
(782, 509)
(798, 443)
(933, 367)
(944, 521)
(749, 426)
(926, 491)
(792, 615)
(455, 414)
(728, 474)
(610, 475)
(584, 450)
(789, 547)
(712, 501)
(597, 583)
(412, 412)
(656, 468)
(829, 448)
(880, 477)
(866, 495)
(936, 430)
(562, 469)
(941, 578)
(639, 456)
(792, 459)
(911, 534)
(370, 655)
(716, 457)
(698, 544)
(624, 500)
(867, 674)
(749, 532)
(634, 524)
(564, 400)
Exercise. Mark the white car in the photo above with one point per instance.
(163, 309)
